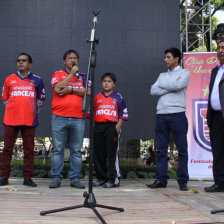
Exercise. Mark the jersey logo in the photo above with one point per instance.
(23, 93)
(106, 112)
(32, 82)
(200, 126)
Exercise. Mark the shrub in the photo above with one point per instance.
(128, 171)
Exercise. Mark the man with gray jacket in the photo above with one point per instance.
(171, 88)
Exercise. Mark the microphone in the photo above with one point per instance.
(76, 74)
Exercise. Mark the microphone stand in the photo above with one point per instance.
(90, 200)
(217, 211)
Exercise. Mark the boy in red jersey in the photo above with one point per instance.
(109, 113)
(23, 94)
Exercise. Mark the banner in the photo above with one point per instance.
(199, 149)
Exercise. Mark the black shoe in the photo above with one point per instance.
(214, 188)
(156, 184)
(29, 183)
(110, 184)
(183, 186)
(3, 181)
(99, 182)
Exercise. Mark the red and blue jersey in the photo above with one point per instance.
(22, 95)
(110, 108)
(69, 105)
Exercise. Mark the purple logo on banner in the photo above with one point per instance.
(200, 127)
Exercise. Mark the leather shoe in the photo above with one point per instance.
(29, 183)
(214, 188)
(3, 181)
(183, 186)
(156, 184)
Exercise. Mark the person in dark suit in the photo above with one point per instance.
(215, 120)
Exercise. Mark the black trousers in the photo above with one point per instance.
(217, 144)
(106, 150)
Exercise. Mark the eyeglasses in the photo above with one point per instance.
(21, 60)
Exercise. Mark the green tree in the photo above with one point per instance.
(197, 18)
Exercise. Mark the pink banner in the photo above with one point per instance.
(199, 149)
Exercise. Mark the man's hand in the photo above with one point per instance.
(64, 90)
(74, 69)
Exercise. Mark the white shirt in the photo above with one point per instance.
(215, 100)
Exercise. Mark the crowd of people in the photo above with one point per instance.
(23, 95)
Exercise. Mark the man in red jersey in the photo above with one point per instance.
(68, 119)
(23, 94)
(109, 113)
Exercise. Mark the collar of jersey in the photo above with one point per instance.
(20, 75)
(66, 71)
(108, 95)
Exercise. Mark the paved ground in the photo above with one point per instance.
(22, 205)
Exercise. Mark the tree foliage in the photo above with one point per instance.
(193, 30)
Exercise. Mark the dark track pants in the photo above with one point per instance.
(106, 149)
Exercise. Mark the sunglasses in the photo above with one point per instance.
(21, 60)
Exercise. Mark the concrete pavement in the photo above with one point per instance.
(20, 204)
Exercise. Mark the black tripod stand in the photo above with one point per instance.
(90, 201)
(217, 211)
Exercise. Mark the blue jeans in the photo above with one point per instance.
(178, 125)
(64, 129)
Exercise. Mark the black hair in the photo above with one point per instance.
(109, 74)
(69, 52)
(175, 52)
(29, 57)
